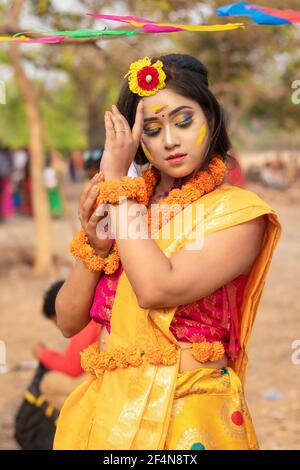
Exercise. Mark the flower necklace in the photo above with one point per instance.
(204, 182)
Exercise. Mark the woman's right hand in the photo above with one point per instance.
(89, 217)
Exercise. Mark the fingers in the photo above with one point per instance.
(120, 122)
(109, 126)
(96, 179)
(87, 206)
(138, 127)
(100, 222)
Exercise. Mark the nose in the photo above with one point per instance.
(170, 137)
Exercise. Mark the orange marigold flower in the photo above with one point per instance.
(154, 355)
(131, 188)
(134, 357)
(217, 351)
(169, 355)
(201, 351)
(81, 248)
(89, 359)
(120, 356)
(107, 361)
(112, 261)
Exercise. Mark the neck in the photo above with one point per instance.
(166, 183)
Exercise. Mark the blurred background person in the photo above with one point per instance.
(92, 160)
(52, 186)
(6, 186)
(65, 371)
(20, 159)
(76, 165)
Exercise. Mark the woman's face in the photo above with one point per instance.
(174, 126)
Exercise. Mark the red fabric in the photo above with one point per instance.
(69, 361)
(236, 176)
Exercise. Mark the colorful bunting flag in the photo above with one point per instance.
(260, 14)
(150, 26)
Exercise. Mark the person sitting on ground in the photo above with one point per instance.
(65, 369)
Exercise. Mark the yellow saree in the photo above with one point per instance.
(134, 408)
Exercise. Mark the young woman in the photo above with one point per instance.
(178, 291)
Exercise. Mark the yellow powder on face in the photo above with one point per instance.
(147, 153)
(201, 135)
(157, 108)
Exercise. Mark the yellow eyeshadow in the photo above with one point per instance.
(151, 126)
(178, 119)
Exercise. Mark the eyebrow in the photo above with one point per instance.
(155, 118)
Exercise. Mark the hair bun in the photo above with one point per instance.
(186, 61)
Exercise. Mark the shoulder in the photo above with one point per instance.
(238, 196)
(230, 205)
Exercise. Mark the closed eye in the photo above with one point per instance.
(180, 121)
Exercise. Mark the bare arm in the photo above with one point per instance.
(188, 275)
(74, 299)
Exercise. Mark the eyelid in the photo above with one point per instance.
(153, 127)
(178, 117)
(184, 117)
(179, 113)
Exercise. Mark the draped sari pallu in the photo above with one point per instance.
(155, 407)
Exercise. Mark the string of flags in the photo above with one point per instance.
(258, 14)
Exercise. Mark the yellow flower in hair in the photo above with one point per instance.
(145, 79)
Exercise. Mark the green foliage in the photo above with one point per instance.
(64, 118)
(251, 71)
(13, 125)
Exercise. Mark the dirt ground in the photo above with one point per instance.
(273, 385)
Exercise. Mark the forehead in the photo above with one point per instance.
(166, 98)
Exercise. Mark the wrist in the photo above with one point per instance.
(108, 176)
(101, 253)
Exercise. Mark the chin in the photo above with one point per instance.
(179, 172)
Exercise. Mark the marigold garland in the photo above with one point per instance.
(96, 362)
(114, 190)
(80, 247)
(204, 182)
(205, 351)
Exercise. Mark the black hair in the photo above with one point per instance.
(91, 164)
(92, 158)
(48, 308)
(188, 77)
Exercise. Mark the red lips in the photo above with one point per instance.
(176, 155)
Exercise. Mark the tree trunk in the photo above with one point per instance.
(43, 263)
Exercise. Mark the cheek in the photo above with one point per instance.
(201, 135)
(147, 152)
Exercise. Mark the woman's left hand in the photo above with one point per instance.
(121, 142)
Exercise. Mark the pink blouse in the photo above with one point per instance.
(212, 318)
